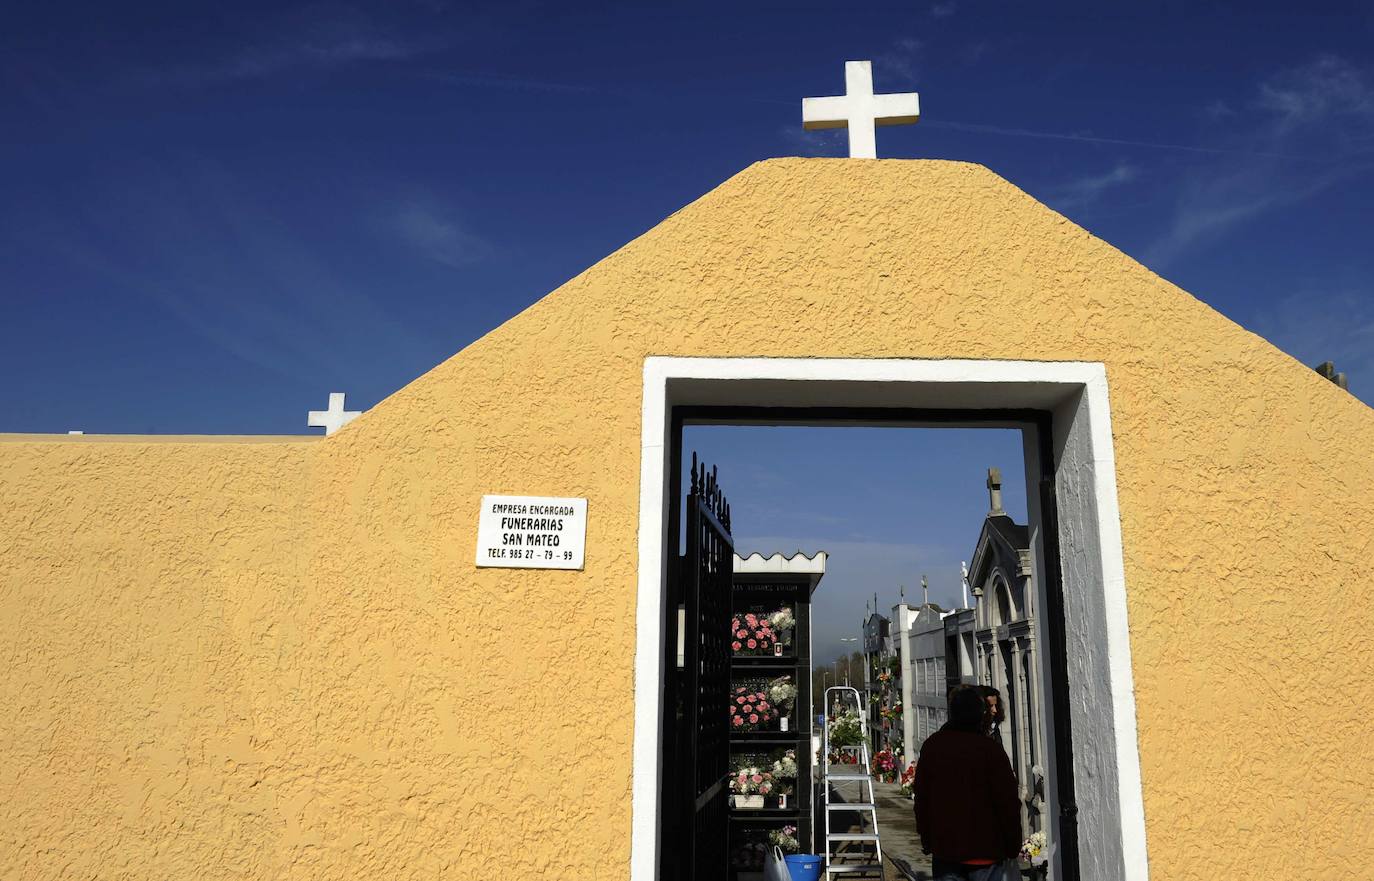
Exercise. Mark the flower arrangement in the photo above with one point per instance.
(1033, 847)
(885, 676)
(785, 838)
(845, 730)
(884, 766)
(783, 621)
(752, 780)
(752, 634)
(782, 693)
(756, 779)
(750, 708)
(761, 633)
(907, 779)
(785, 766)
(892, 713)
(761, 703)
(776, 772)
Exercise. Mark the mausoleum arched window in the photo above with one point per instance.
(1005, 609)
(1018, 599)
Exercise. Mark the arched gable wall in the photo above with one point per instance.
(284, 650)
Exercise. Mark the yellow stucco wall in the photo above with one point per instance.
(276, 660)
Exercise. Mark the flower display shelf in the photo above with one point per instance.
(749, 844)
(777, 672)
(747, 662)
(763, 780)
(762, 703)
(764, 739)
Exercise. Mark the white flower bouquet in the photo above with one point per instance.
(782, 693)
(1033, 849)
(785, 768)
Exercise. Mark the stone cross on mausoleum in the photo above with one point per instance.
(859, 110)
(995, 491)
(335, 417)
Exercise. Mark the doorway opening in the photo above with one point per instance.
(1086, 721)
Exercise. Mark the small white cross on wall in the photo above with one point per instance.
(334, 418)
(859, 110)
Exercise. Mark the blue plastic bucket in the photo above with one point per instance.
(803, 866)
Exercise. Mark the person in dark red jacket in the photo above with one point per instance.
(967, 811)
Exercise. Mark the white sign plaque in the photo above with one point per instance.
(531, 532)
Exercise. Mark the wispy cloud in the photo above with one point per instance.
(897, 64)
(1219, 110)
(320, 44)
(1319, 93)
(1209, 205)
(1086, 190)
(943, 10)
(1324, 108)
(1302, 131)
(229, 266)
(437, 236)
(1088, 138)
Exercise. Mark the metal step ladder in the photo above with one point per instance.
(849, 854)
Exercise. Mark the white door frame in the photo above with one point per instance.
(1111, 819)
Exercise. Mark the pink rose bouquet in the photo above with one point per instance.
(750, 708)
(752, 635)
(761, 633)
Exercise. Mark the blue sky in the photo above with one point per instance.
(214, 215)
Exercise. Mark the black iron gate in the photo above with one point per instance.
(695, 805)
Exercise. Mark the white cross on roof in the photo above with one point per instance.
(859, 110)
(335, 417)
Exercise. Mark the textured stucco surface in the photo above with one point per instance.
(277, 660)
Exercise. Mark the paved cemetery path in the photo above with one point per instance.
(901, 845)
(897, 827)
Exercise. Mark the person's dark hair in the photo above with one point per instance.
(997, 713)
(966, 708)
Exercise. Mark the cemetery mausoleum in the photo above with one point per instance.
(274, 658)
